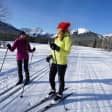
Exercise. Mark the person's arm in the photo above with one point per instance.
(53, 46)
(48, 58)
(67, 47)
(14, 46)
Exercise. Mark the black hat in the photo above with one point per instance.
(22, 33)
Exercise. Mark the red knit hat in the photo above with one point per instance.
(63, 25)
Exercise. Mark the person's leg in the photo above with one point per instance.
(26, 70)
(52, 74)
(20, 76)
(61, 77)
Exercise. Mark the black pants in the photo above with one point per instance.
(19, 64)
(61, 69)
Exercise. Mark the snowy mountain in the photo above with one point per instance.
(108, 35)
(85, 33)
(85, 37)
(32, 32)
(36, 32)
(80, 31)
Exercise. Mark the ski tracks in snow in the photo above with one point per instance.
(11, 93)
(88, 75)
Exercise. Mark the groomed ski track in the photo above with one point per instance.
(89, 77)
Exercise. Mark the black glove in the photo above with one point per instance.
(48, 58)
(8, 46)
(54, 47)
(33, 49)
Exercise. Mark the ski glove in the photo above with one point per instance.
(8, 46)
(54, 47)
(33, 49)
(48, 58)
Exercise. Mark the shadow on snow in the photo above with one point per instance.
(105, 81)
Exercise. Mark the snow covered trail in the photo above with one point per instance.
(89, 77)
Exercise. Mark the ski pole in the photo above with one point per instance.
(31, 58)
(49, 45)
(4, 60)
(55, 57)
(65, 108)
(22, 91)
(49, 65)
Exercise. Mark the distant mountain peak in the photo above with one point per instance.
(82, 30)
(108, 35)
(36, 31)
(32, 31)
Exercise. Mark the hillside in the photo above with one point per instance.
(80, 36)
(8, 29)
(86, 37)
(9, 32)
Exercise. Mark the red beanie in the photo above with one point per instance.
(64, 26)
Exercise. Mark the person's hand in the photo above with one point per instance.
(33, 49)
(8, 46)
(54, 47)
(48, 58)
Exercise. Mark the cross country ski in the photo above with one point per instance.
(42, 101)
(50, 105)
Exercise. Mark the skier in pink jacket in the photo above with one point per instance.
(23, 48)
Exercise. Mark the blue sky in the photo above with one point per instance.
(94, 15)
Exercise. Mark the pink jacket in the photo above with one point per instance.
(23, 47)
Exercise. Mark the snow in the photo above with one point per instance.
(82, 30)
(35, 30)
(108, 35)
(88, 76)
(73, 31)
